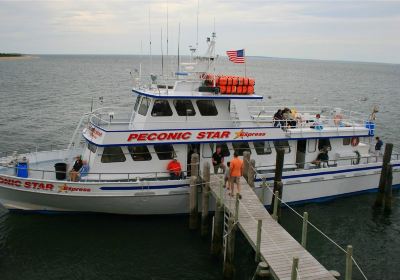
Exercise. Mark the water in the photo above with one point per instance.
(41, 103)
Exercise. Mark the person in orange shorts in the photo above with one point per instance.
(175, 169)
(236, 171)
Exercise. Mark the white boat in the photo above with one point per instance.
(126, 153)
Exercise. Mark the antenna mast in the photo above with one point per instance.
(151, 57)
(179, 40)
(197, 25)
(162, 56)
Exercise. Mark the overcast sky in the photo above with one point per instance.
(335, 30)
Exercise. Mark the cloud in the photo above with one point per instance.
(349, 30)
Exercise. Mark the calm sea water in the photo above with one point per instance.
(41, 102)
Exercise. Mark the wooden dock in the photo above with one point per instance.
(277, 247)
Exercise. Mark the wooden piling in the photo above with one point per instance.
(205, 199)
(262, 272)
(193, 219)
(217, 234)
(251, 173)
(246, 163)
(304, 231)
(194, 165)
(295, 265)
(275, 206)
(349, 263)
(382, 181)
(280, 156)
(229, 267)
(258, 241)
(388, 189)
(263, 189)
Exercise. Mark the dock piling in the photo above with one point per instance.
(388, 189)
(278, 186)
(349, 263)
(246, 163)
(193, 219)
(229, 268)
(263, 187)
(205, 199)
(295, 265)
(251, 173)
(217, 234)
(382, 181)
(258, 242)
(262, 272)
(304, 231)
(194, 165)
(276, 202)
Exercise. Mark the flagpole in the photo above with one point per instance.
(245, 60)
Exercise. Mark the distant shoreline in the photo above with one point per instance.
(6, 57)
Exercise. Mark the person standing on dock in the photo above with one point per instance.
(218, 160)
(236, 171)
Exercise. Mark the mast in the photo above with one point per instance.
(179, 39)
(162, 56)
(151, 57)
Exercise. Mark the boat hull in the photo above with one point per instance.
(172, 197)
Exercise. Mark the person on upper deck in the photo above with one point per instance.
(378, 146)
(287, 117)
(175, 169)
(73, 174)
(278, 118)
(218, 160)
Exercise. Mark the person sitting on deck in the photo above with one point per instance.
(74, 173)
(378, 146)
(322, 157)
(175, 169)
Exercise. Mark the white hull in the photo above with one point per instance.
(171, 197)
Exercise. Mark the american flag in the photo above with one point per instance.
(236, 56)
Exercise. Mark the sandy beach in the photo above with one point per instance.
(6, 58)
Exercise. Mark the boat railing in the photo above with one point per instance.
(342, 162)
(43, 174)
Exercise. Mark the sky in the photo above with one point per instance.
(325, 29)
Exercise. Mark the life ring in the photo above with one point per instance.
(355, 141)
(356, 161)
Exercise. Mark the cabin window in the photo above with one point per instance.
(322, 143)
(139, 153)
(144, 106)
(137, 102)
(262, 147)
(346, 141)
(240, 147)
(207, 107)
(92, 147)
(312, 145)
(164, 151)
(161, 108)
(184, 107)
(282, 144)
(112, 154)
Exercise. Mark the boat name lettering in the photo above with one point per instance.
(26, 184)
(66, 188)
(241, 134)
(177, 135)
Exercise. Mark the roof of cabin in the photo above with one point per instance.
(171, 94)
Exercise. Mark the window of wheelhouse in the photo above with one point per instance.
(137, 102)
(282, 144)
(164, 151)
(139, 153)
(346, 141)
(144, 106)
(161, 108)
(207, 107)
(184, 107)
(324, 143)
(262, 147)
(240, 147)
(112, 154)
(92, 147)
